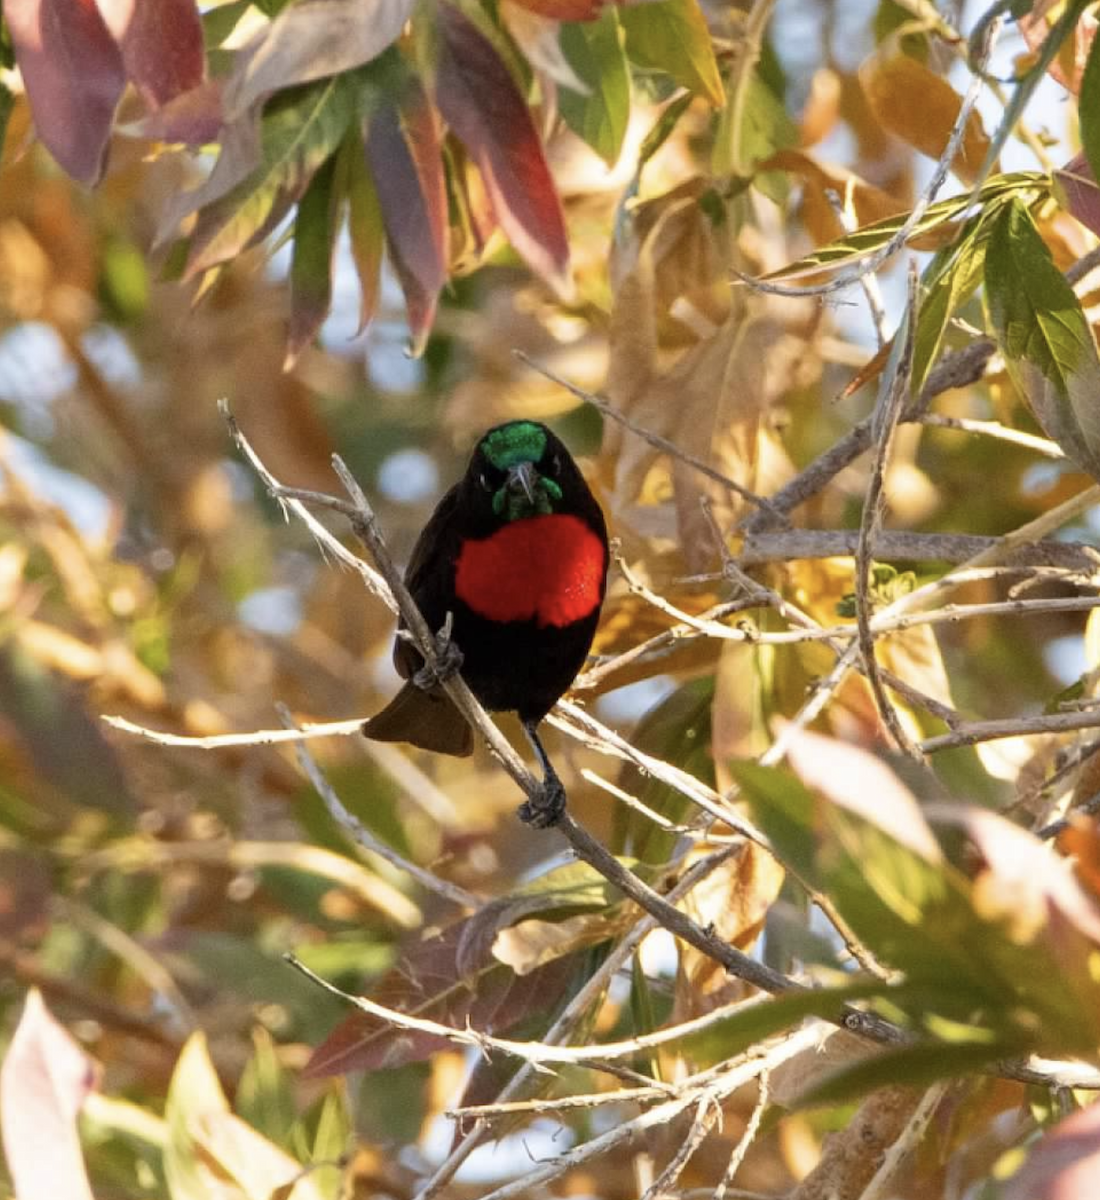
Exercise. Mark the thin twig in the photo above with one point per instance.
(995, 429)
(577, 1007)
(955, 369)
(361, 836)
(708, 1110)
(655, 439)
(654, 1118)
(895, 389)
(292, 499)
(875, 258)
(906, 1143)
(991, 731)
(747, 1138)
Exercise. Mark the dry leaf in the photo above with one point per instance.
(733, 900)
(920, 106)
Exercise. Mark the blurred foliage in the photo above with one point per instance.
(275, 202)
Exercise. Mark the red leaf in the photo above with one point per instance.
(73, 72)
(564, 10)
(1078, 192)
(44, 1081)
(480, 101)
(404, 154)
(1065, 1165)
(312, 39)
(161, 43)
(1069, 62)
(426, 982)
(192, 118)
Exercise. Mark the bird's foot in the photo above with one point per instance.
(447, 664)
(546, 807)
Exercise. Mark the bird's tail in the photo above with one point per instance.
(425, 719)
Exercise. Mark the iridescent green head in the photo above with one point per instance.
(516, 463)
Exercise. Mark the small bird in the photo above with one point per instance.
(516, 552)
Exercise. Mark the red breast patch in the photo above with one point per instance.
(549, 569)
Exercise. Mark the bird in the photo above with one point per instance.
(515, 558)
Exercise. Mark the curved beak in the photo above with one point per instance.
(522, 477)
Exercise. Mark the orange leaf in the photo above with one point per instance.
(921, 107)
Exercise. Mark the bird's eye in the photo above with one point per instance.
(483, 479)
(555, 465)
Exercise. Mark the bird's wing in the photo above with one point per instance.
(430, 577)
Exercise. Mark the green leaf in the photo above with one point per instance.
(752, 1023)
(218, 23)
(265, 1094)
(301, 129)
(850, 249)
(1088, 108)
(914, 914)
(365, 230)
(331, 1143)
(311, 263)
(194, 1090)
(662, 128)
(949, 280)
(1044, 335)
(595, 52)
(672, 36)
(914, 1066)
(754, 124)
(789, 808)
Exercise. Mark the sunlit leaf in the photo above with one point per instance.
(311, 39)
(1071, 51)
(754, 124)
(73, 105)
(481, 103)
(859, 199)
(850, 249)
(595, 52)
(231, 1149)
(672, 36)
(45, 1078)
(862, 783)
(301, 129)
(195, 1091)
(365, 230)
(1045, 337)
(921, 107)
(539, 40)
(733, 901)
(563, 891)
(948, 281)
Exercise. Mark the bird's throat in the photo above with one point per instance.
(549, 569)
